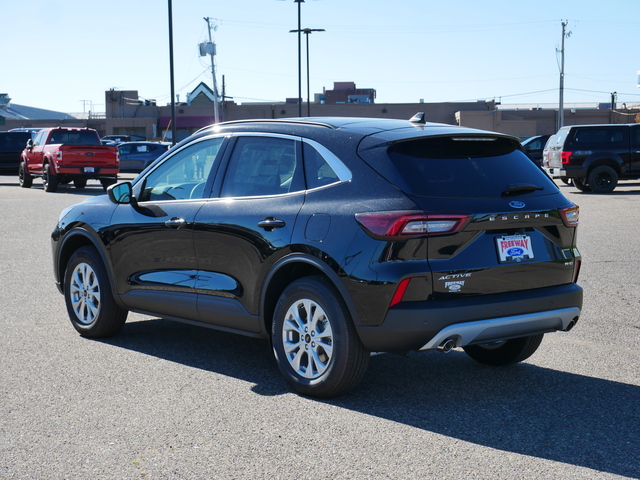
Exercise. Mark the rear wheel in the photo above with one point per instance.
(49, 180)
(106, 182)
(87, 293)
(314, 340)
(24, 178)
(603, 179)
(581, 185)
(505, 352)
(566, 180)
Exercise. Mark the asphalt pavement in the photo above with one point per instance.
(164, 400)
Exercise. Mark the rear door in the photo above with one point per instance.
(35, 155)
(246, 227)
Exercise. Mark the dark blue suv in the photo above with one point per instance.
(332, 238)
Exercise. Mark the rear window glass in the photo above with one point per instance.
(74, 137)
(463, 167)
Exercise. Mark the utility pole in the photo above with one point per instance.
(561, 102)
(212, 52)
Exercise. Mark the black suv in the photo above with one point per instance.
(11, 146)
(334, 238)
(594, 156)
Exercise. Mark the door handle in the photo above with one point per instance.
(175, 223)
(271, 223)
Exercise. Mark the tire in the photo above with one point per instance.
(566, 180)
(24, 179)
(106, 182)
(92, 310)
(49, 180)
(602, 179)
(581, 185)
(320, 356)
(80, 182)
(506, 352)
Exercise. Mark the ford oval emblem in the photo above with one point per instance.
(516, 204)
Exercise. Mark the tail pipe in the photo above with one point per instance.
(448, 345)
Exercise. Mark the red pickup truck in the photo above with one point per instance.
(61, 155)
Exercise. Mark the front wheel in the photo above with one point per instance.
(87, 293)
(107, 182)
(314, 340)
(505, 352)
(49, 180)
(24, 179)
(581, 184)
(80, 182)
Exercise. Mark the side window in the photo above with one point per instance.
(262, 166)
(635, 137)
(605, 136)
(183, 175)
(39, 140)
(317, 171)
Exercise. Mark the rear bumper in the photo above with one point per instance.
(426, 325)
(97, 171)
(553, 172)
(575, 172)
(483, 331)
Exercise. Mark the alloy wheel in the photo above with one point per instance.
(307, 338)
(85, 293)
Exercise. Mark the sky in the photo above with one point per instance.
(63, 55)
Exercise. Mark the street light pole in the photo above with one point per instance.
(299, 2)
(307, 32)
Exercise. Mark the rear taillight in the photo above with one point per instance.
(565, 156)
(410, 223)
(59, 156)
(570, 215)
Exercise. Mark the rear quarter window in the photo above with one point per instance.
(461, 167)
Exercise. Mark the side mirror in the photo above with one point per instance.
(121, 193)
(29, 144)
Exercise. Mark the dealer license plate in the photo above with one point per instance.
(89, 170)
(514, 248)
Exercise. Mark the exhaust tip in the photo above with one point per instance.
(447, 345)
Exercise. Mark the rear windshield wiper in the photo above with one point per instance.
(516, 188)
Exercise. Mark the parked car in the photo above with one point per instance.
(533, 147)
(62, 155)
(595, 157)
(333, 238)
(136, 156)
(118, 139)
(11, 146)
